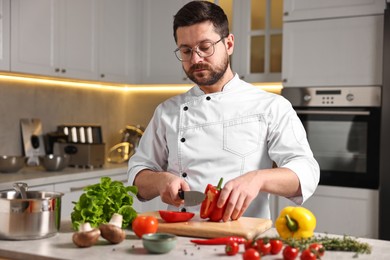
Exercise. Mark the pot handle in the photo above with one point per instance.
(21, 187)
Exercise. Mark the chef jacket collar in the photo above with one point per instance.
(232, 84)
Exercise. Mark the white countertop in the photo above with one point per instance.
(35, 176)
(61, 246)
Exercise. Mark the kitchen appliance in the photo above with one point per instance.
(33, 143)
(37, 216)
(343, 128)
(384, 186)
(83, 143)
(122, 151)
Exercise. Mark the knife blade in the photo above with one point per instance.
(192, 198)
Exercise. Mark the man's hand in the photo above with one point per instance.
(238, 193)
(169, 188)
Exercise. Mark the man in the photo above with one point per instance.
(222, 127)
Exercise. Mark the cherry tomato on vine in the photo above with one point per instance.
(251, 244)
(263, 246)
(290, 253)
(231, 248)
(251, 254)
(319, 248)
(144, 225)
(276, 246)
(308, 254)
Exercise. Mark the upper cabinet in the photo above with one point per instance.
(158, 61)
(257, 27)
(345, 50)
(5, 35)
(117, 46)
(308, 9)
(55, 38)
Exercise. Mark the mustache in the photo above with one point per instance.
(198, 66)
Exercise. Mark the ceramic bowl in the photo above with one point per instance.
(159, 243)
(11, 163)
(53, 162)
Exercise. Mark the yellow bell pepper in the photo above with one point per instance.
(295, 222)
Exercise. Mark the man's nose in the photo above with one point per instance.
(195, 57)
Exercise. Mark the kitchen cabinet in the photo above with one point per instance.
(333, 52)
(5, 21)
(73, 189)
(341, 210)
(295, 10)
(257, 27)
(157, 60)
(54, 38)
(117, 41)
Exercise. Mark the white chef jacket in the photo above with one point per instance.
(203, 137)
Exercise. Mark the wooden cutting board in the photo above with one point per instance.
(197, 227)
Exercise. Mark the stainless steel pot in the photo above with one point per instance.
(37, 216)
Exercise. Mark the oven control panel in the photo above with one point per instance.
(332, 96)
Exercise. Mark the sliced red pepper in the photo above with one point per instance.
(175, 216)
(219, 240)
(210, 202)
(209, 207)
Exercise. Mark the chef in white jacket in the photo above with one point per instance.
(222, 127)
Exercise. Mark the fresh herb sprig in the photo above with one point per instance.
(100, 201)
(345, 243)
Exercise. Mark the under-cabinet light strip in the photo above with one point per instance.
(272, 87)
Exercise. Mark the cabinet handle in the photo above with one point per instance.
(102, 75)
(285, 13)
(63, 70)
(284, 80)
(73, 189)
(57, 70)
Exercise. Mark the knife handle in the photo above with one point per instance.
(181, 194)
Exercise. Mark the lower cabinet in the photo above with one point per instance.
(340, 210)
(72, 191)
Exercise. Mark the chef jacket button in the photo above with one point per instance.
(183, 210)
(208, 98)
(184, 174)
(182, 140)
(185, 108)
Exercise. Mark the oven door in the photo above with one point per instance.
(345, 142)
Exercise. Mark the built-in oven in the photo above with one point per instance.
(343, 130)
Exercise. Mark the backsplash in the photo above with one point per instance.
(55, 105)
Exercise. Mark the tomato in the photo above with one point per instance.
(144, 225)
(251, 254)
(251, 244)
(263, 246)
(308, 254)
(231, 248)
(175, 216)
(290, 253)
(276, 246)
(318, 248)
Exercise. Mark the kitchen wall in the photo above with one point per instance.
(54, 105)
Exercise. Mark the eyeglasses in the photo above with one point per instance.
(203, 49)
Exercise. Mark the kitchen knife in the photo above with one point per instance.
(192, 198)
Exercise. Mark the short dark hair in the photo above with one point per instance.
(200, 11)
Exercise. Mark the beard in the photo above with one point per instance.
(210, 76)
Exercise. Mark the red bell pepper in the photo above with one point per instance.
(209, 207)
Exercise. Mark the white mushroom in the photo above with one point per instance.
(112, 231)
(86, 236)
